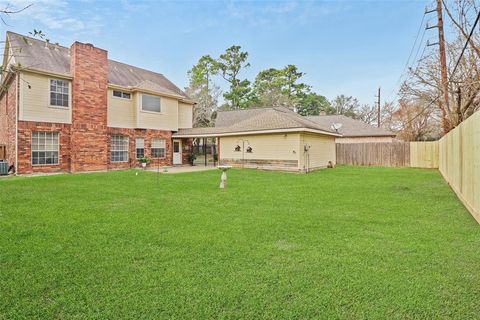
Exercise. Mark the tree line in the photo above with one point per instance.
(271, 88)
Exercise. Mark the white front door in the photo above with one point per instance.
(177, 152)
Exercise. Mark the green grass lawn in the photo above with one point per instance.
(339, 243)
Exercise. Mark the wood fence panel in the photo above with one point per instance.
(424, 154)
(459, 162)
(385, 154)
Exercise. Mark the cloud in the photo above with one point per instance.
(134, 6)
(55, 15)
(282, 14)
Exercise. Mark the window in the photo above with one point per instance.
(176, 146)
(119, 150)
(158, 148)
(59, 93)
(45, 148)
(121, 94)
(150, 103)
(140, 147)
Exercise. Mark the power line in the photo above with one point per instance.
(415, 42)
(466, 44)
(410, 54)
(454, 69)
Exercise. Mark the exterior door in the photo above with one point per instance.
(177, 152)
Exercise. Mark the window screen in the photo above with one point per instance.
(150, 103)
(158, 148)
(140, 147)
(119, 149)
(45, 148)
(59, 93)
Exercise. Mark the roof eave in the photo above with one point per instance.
(370, 136)
(252, 132)
(43, 72)
(164, 94)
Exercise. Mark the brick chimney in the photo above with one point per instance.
(88, 137)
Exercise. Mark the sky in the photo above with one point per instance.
(343, 47)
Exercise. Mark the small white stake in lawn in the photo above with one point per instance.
(223, 178)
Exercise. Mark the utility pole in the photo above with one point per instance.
(378, 108)
(443, 60)
(443, 55)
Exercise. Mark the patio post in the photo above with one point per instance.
(205, 150)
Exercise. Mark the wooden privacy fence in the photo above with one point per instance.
(388, 154)
(459, 162)
(424, 154)
(456, 155)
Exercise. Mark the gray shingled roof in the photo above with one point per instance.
(351, 127)
(37, 54)
(257, 119)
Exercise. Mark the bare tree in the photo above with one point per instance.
(9, 10)
(413, 122)
(424, 82)
(367, 114)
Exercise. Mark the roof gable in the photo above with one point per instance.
(276, 119)
(43, 56)
(351, 127)
(266, 118)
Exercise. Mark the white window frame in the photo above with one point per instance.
(152, 96)
(122, 95)
(138, 146)
(117, 147)
(45, 147)
(160, 144)
(69, 89)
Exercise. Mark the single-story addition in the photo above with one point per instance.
(353, 131)
(269, 138)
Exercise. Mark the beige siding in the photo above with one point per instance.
(321, 150)
(269, 151)
(278, 146)
(185, 115)
(121, 112)
(35, 100)
(364, 139)
(167, 119)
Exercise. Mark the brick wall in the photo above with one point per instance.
(25, 129)
(84, 144)
(88, 137)
(8, 102)
(148, 135)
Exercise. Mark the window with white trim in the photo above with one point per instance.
(59, 93)
(45, 148)
(150, 103)
(140, 147)
(121, 94)
(119, 149)
(158, 148)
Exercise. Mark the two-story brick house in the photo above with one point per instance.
(73, 109)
